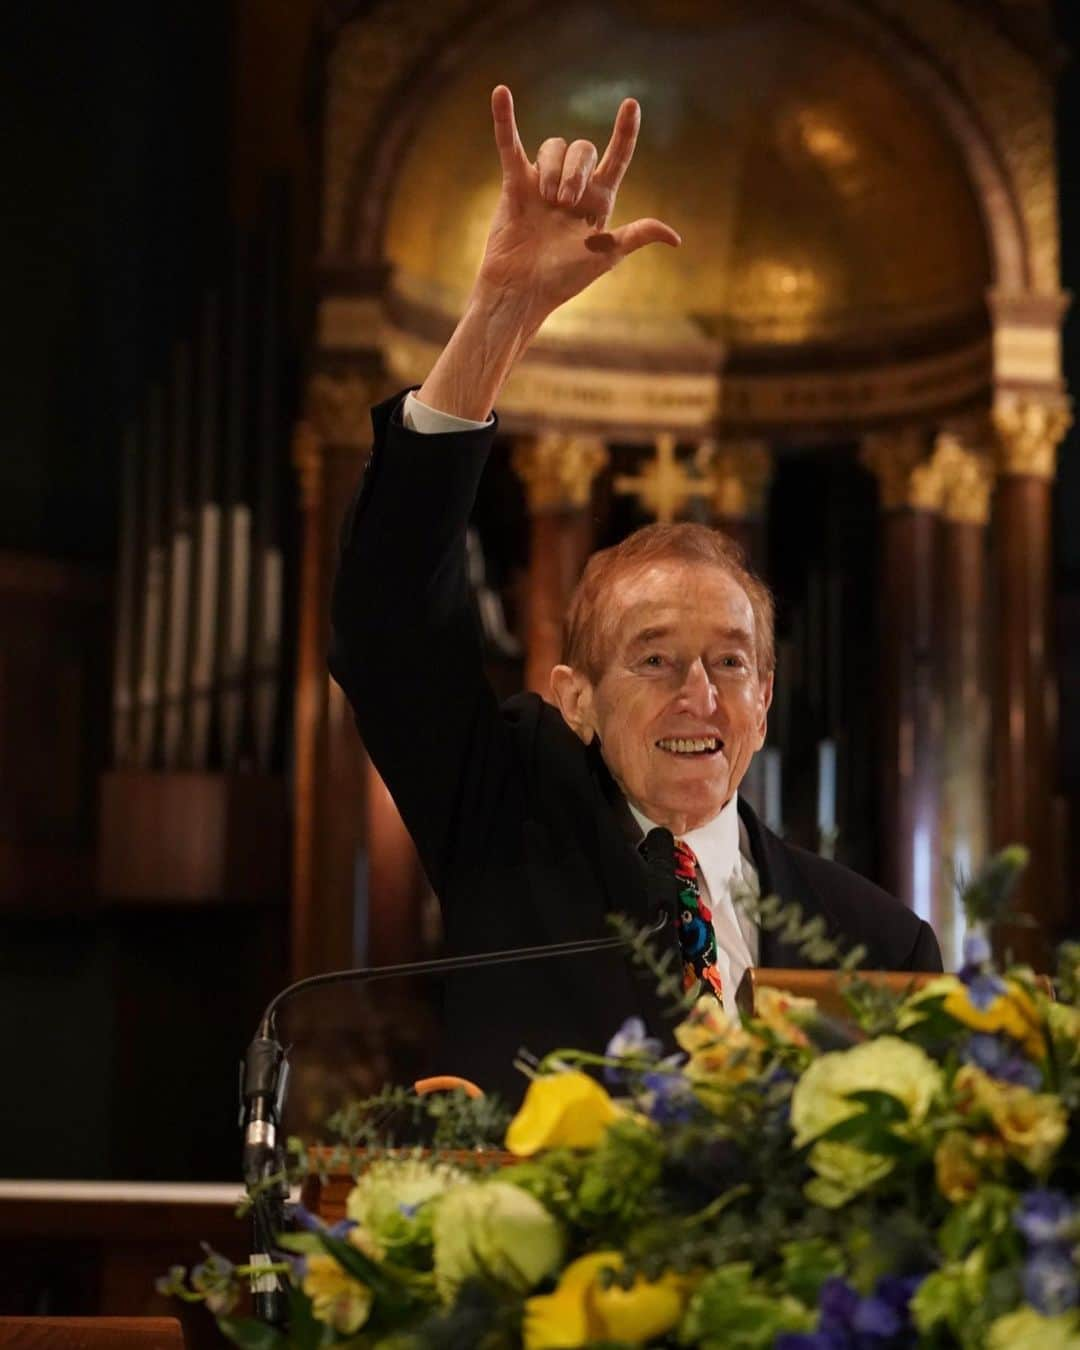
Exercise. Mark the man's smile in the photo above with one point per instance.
(690, 745)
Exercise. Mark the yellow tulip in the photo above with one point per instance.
(562, 1110)
(581, 1311)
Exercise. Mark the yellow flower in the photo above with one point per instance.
(562, 1110)
(722, 1052)
(1026, 1329)
(960, 1161)
(1013, 1012)
(822, 1099)
(581, 1311)
(774, 1009)
(336, 1298)
(1033, 1125)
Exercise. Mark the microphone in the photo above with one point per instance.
(264, 1070)
(658, 850)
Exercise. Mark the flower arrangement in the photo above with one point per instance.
(908, 1177)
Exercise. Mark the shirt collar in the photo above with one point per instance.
(715, 844)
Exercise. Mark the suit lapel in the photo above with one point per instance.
(628, 886)
(778, 875)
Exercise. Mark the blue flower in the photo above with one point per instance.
(629, 1042)
(672, 1098)
(1050, 1281)
(838, 1303)
(305, 1219)
(977, 950)
(848, 1321)
(994, 1056)
(1045, 1216)
(984, 988)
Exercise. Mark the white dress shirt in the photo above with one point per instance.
(720, 846)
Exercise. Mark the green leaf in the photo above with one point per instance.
(303, 1243)
(306, 1332)
(386, 1289)
(250, 1334)
(807, 1265)
(882, 1105)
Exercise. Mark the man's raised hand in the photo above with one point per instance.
(549, 237)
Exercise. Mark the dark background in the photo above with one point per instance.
(120, 1028)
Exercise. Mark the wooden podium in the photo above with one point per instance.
(825, 987)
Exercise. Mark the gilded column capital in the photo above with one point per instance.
(907, 475)
(967, 480)
(740, 472)
(338, 407)
(558, 469)
(1027, 434)
(308, 463)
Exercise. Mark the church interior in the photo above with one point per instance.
(232, 228)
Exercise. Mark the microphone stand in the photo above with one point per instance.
(264, 1076)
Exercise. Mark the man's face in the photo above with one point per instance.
(679, 710)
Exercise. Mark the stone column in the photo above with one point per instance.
(910, 495)
(741, 471)
(557, 471)
(308, 709)
(1025, 697)
(966, 476)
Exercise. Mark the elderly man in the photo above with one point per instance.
(530, 818)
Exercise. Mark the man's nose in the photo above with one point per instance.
(698, 693)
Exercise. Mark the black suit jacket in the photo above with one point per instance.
(520, 827)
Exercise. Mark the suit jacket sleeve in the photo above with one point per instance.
(925, 954)
(405, 646)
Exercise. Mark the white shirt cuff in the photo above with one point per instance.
(418, 416)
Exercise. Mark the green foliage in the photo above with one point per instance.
(1068, 973)
(731, 1311)
(617, 1186)
(453, 1120)
(807, 1264)
(987, 898)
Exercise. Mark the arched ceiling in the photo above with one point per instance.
(818, 201)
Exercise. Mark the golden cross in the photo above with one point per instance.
(663, 486)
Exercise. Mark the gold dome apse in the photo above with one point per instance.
(817, 200)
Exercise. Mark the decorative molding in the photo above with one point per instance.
(662, 485)
(967, 480)
(908, 477)
(1028, 432)
(633, 402)
(338, 408)
(741, 472)
(558, 469)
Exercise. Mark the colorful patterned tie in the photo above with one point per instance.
(697, 938)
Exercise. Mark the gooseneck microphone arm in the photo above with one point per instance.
(264, 1076)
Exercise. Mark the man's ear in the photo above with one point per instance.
(766, 704)
(572, 692)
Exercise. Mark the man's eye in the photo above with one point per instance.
(732, 662)
(654, 659)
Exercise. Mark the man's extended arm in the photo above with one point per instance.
(404, 641)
